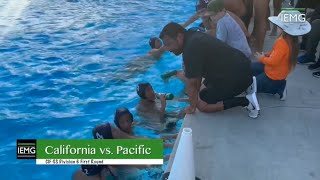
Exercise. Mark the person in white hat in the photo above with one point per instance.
(273, 68)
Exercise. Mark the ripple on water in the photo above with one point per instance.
(89, 25)
(40, 93)
(58, 133)
(99, 106)
(92, 67)
(60, 74)
(9, 49)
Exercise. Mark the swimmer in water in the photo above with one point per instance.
(123, 129)
(152, 109)
(157, 48)
(140, 64)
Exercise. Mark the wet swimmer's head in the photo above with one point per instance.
(155, 43)
(201, 4)
(124, 120)
(172, 36)
(145, 91)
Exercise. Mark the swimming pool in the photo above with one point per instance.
(57, 64)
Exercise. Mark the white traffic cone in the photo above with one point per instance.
(183, 163)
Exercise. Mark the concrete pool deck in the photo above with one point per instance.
(283, 143)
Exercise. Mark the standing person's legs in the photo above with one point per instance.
(304, 42)
(305, 37)
(312, 43)
(313, 38)
(277, 9)
(242, 8)
(261, 24)
(300, 4)
(249, 12)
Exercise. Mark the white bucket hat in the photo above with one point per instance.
(292, 22)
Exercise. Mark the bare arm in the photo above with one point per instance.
(118, 134)
(157, 53)
(193, 18)
(163, 106)
(193, 88)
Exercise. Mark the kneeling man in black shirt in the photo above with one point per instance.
(225, 70)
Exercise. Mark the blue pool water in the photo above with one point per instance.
(61, 63)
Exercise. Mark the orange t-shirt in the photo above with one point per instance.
(277, 63)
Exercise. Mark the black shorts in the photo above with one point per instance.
(214, 93)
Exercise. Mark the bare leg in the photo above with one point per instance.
(261, 9)
(277, 8)
(238, 7)
(246, 18)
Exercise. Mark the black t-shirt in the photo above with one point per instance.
(207, 57)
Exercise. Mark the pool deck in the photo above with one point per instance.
(282, 144)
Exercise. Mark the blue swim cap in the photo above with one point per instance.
(119, 113)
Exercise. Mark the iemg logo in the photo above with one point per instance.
(292, 15)
(26, 149)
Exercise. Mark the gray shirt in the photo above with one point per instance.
(229, 31)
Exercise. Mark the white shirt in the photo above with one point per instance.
(229, 31)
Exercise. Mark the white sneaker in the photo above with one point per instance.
(284, 94)
(253, 100)
(253, 113)
(253, 87)
(253, 107)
